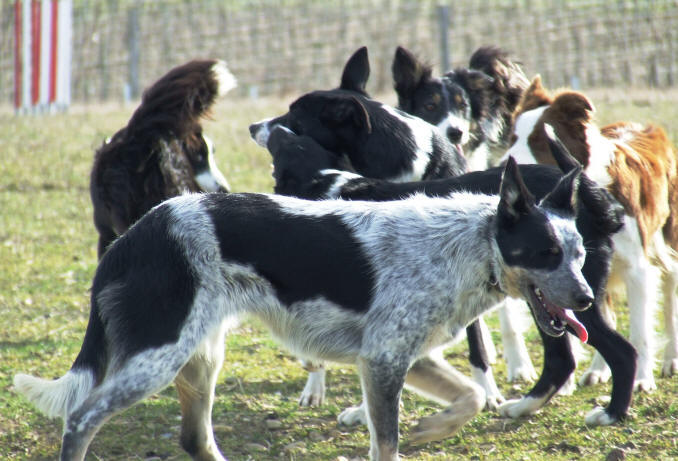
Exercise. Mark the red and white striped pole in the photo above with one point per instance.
(42, 60)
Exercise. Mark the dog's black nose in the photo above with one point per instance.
(584, 301)
(454, 134)
(253, 129)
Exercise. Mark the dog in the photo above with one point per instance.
(638, 166)
(305, 169)
(378, 140)
(375, 284)
(162, 151)
(471, 105)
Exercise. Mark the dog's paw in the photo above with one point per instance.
(519, 407)
(593, 377)
(644, 385)
(352, 416)
(670, 367)
(494, 401)
(568, 387)
(599, 417)
(313, 394)
(523, 372)
(435, 427)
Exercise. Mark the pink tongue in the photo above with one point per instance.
(570, 319)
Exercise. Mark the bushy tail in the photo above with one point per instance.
(57, 398)
(180, 98)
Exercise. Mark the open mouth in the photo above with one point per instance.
(553, 319)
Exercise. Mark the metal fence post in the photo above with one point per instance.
(444, 25)
(133, 45)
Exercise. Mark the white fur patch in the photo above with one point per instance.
(211, 180)
(422, 132)
(342, 177)
(525, 124)
(263, 131)
(224, 77)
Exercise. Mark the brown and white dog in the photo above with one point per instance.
(638, 166)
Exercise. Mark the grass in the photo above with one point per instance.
(48, 258)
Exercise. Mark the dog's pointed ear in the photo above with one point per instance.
(408, 71)
(564, 196)
(515, 200)
(566, 162)
(356, 72)
(346, 111)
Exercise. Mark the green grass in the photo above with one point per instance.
(48, 258)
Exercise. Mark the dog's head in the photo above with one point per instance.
(570, 113)
(542, 251)
(301, 166)
(353, 80)
(451, 103)
(380, 141)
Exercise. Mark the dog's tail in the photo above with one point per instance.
(179, 99)
(57, 398)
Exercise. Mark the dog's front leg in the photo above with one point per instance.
(437, 378)
(382, 382)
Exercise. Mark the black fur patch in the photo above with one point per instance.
(302, 257)
(155, 283)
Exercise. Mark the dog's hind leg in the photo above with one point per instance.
(195, 385)
(436, 378)
(142, 375)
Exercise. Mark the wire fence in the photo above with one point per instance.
(291, 46)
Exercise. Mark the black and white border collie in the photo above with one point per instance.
(304, 169)
(375, 284)
(162, 151)
(472, 105)
(378, 140)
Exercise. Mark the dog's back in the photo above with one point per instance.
(154, 157)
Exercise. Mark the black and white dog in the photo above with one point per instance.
(472, 105)
(304, 169)
(377, 284)
(162, 151)
(378, 140)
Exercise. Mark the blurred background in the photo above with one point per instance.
(290, 46)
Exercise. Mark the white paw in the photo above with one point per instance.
(314, 391)
(593, 377)
(492, 402)
(523, 372)
(644, 385)
(493, 397)
(519, 407)
(599, 417)
(568, 387)
(670, 367)
(353, 416)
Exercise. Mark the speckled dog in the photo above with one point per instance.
(375, 284)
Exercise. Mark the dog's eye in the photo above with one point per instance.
(554, 251)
